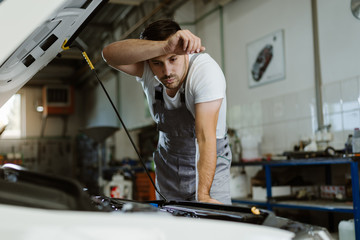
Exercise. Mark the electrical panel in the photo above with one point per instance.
(58, 100)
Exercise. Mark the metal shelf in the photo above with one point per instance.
(328, 206)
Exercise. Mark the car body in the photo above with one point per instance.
(54, 207)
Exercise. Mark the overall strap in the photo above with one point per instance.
(159, 92)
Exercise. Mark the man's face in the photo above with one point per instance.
(171, 70)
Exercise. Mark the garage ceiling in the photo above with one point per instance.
(118, 19)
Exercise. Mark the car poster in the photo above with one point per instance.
(266, 59)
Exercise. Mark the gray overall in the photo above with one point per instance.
(175, 157)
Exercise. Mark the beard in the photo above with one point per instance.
(170, 81)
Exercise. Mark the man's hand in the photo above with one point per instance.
(183, 42)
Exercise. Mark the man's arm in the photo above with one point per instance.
(129, 55)
(206, 117)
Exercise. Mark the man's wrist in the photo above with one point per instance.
(203, 196)
(165, 47)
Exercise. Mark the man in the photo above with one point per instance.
(185, 91)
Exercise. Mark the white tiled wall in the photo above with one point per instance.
(341, 108)
(283, 121)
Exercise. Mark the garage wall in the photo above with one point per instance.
(282, 113)
(54, 125)
(247, 21)
(339, 51)
(339, 41)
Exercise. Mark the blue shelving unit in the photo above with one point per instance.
(269, 204)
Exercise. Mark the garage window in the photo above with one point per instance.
(10, 118)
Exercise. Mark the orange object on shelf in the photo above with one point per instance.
(9, 158)
(144, 190)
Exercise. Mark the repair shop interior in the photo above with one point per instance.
(85, 91)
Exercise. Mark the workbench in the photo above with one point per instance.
(320, 205)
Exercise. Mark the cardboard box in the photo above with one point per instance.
(259, 193)
(332, 192)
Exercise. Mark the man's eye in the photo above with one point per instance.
(173, 59)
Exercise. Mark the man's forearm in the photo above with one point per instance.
(206, 116)
(206, 169)
(132, 51)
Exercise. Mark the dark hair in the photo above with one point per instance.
(160, 30)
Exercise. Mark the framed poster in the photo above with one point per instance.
(266, 59)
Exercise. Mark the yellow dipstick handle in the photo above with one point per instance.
(255, 211)
(88, 60)
(63, 45)
(83, 53)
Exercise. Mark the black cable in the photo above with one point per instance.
(118, 115)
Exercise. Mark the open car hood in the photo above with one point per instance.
(33, 33)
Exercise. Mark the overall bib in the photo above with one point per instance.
(175, 157)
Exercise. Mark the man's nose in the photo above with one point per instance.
(166, 69)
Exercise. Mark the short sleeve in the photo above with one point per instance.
(208, 81)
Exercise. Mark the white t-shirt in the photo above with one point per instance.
(205, 82)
